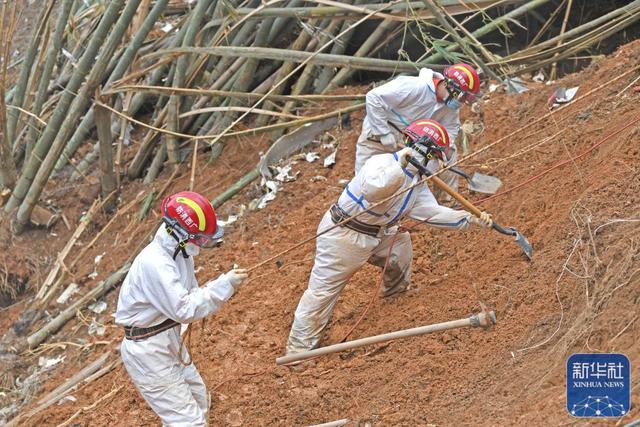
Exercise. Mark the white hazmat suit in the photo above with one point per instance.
(342, 251)
(159, 287)
(402, 101)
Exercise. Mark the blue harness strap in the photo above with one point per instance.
(406, 172)
(399, 116)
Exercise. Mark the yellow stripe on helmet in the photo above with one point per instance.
(443, 133)
(467, 72)
(202, 222)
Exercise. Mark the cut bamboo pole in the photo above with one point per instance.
(107, 175)
(42, 147)
(59, 321)
(236, 188)
(57, 267)
(325, 59)
(80, 104)
(554, 66)
(481, 319)
(25, 71)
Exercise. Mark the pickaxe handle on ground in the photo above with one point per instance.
(468, 206)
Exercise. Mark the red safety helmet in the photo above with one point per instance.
(193, 214)
(429, 138)
(462, 82)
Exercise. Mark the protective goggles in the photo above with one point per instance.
(205, 241)
(425, 146)
(459, 94)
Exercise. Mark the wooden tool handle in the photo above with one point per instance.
(450, 191)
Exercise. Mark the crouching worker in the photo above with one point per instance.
(159, 294)
(343, 250)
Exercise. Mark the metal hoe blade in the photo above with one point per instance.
(482, 183)
(520, 239)
(479, 182)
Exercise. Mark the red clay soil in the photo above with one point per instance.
(579, 294)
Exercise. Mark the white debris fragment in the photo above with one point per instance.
(96, 328)
(69, 56)
(493, 87)
(318, 178)
(46, 363)
(230, 220)
(283, 174)
(98, 307)
(538, 77)
(330, 160)
(562, 96)
(69, 398)
(266, 199)
(67, 293)
(93, 275)
(98, 258)
(311, 156)
(166, 28)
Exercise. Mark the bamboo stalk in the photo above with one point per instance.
(236, 188)
(123, 64)
(252, 131)
(627, 10)
(324, 59)
(59, 321)
(395, 11)
(246, 96)
(107, 176)
(464, 45)
(181, 68)
(57, 267)
(237, 109)
(81, 101)
(45, 75)
(345, 73)
(25, 71)
(554, 66)
(7, 165)
(491, 26)
(42, 147)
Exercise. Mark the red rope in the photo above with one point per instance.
(572, 159)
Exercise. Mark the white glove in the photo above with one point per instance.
(403, 156)
(389, 140)
(236, 276)
(484, 221)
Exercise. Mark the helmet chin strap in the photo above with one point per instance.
(182, 243)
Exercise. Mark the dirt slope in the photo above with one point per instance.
(511, 374)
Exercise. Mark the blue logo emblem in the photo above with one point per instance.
(598, 385)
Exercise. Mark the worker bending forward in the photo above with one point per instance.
(343, 250)
(405, 99)
(159, 294)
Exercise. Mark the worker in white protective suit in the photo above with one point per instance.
(343, 250)
(159, 294)
(430, 95)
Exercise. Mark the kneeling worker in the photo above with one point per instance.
(159, 294)
(343, 250)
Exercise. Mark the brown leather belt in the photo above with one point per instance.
(136, 334)
(338, 215)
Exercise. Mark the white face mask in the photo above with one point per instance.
(191, 249)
